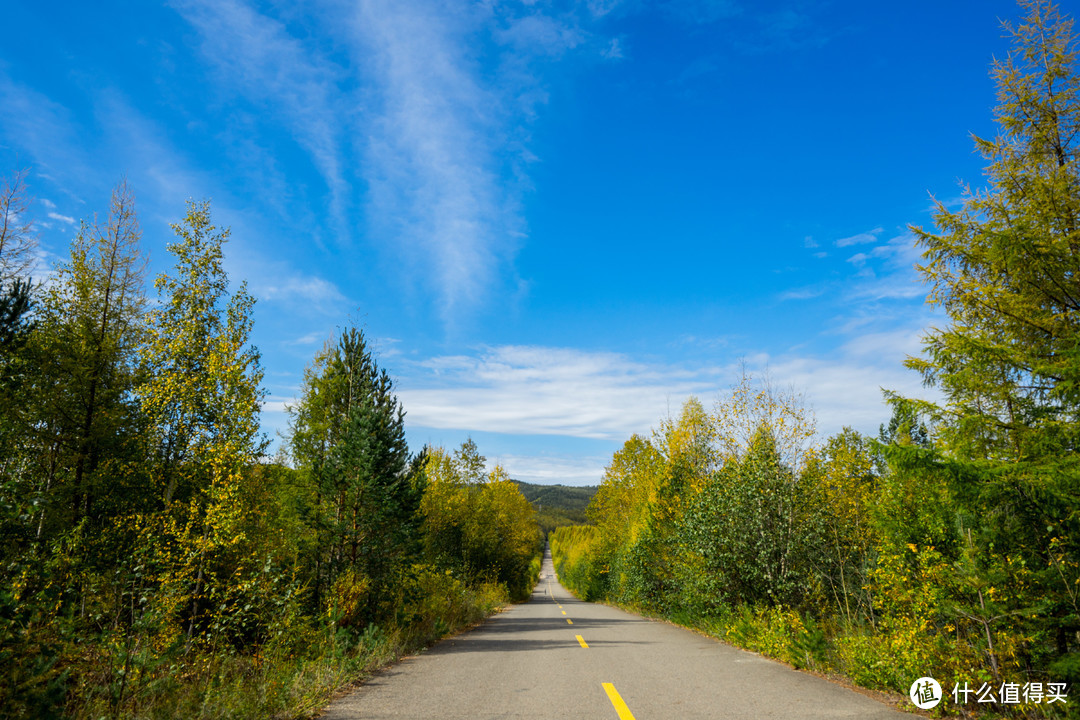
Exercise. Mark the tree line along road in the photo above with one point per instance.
(557, 657)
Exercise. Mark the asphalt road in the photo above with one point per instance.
(557, 657)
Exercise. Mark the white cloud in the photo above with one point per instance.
(804, 293)
(256, 55)
(543, 34)
(549, 391)
(897, 343)
(434, 161)
(599, 8)
(613, 51)
(701, 11)
(301, 291)
(870, 236)
(46, 128)
(559, 391)
(309, 339)
(48, 203)
(896, 276)
(890, 287)
(847, 390)
(62, 218)
(277, 405)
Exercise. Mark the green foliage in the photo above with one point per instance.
(758, 528)
(1004, 268)
(481, 527)
(569, 498)
(153, 563)
(572, 553)
(348, 439)
(201, 390)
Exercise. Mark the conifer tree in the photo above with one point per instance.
(348, 436)
(92, 326)
(1006, 270)
(1006, 267)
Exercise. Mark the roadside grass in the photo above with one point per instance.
(294, 675)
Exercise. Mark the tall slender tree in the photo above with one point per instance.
(1006, 269)
(1006, 266)
(17, 239)
(92, 327)
(202, 375)
(202, 397)
(348, 437)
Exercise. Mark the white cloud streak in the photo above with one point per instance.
(62, 218)
(255, 55)
(557, 391)
(870, 236)
(550, 391)
(301, 291)
(434, 175)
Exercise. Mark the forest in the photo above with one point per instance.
(948, 545)
(558, 505)
(154, 561)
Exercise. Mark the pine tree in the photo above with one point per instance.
(348, 437)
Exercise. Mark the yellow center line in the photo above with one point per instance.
(569, 621)
(563, 612)
(617, 701)
(581, 640)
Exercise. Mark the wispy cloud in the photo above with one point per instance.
(600, 8)
(558, 391)
(896, 276)
(870, 236)
(301, 291)
(539, 33)
(46, 128)
(256, 56)
(548, 391)
(310, 338)
(846, 389)
(700, 11)
(277, 405)
(62, 218)
(805, 293)
(435, 160)
(613, 51)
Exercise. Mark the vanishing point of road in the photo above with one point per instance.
(558, 657)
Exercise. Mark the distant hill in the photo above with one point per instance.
(558, 505)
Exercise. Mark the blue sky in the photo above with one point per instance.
(553, 220)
